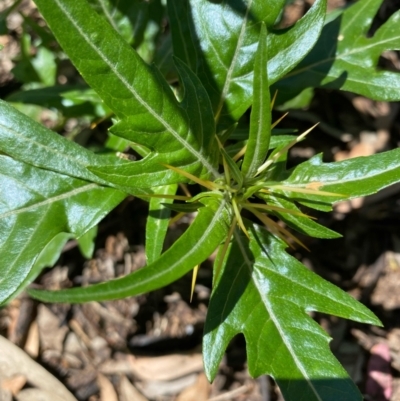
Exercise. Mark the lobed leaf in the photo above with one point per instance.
(218, 40)
(282, 340)
(346, 57)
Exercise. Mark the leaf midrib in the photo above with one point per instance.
(297, 185)
(274, 318)
(107, 14)
(199, 156)
(49, 149)
(51, 200)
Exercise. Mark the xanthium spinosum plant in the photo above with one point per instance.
(229, 57)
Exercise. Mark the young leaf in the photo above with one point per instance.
(355, 177)
(192, 248)
(346, 58)
(260, 119)
(301, 224)
(132, 90)
(282, 340)
(47, 204)
(218, 40)
(157, 222)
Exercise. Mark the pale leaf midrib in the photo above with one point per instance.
(49, 201)
(198, 156)
(275, 320)
(107, 14)
(49, 149)
(340, 182)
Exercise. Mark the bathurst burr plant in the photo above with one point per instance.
(183, 115)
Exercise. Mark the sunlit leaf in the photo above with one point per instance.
(281, 339)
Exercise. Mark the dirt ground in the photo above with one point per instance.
(149, 347)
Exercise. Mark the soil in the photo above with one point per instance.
(149, 347)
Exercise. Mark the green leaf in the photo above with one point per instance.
(218, 40)
(352, 178)
(282, 340)
(301, 101)
(47, 204)
(86, 242)
(260, 119)
(232, 167)
(346, 58)
(133, 89)
(128, 17)
(157, 222)
(198, 148)
(52, 97)
(193, 247)
(301, 224)
(30, 142)
(47, 258)
(45, 66)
